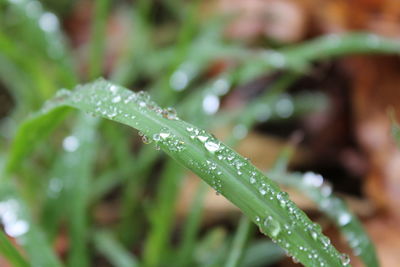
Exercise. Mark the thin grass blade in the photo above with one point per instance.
(227, 172)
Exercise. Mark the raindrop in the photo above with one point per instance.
(71, 143)
(113, 89)
(276, 59)
(262, 191)
(326, 190)
(344, 219)
(116, 99)
(210, 104)
(13, 225)
(273, 226)
(169, 113)
(202, 138)
(211, 146)
(252, 180)
(179, 80)
(164, 135)
(48, 22)
(156, 137)
(221, 86)
(284, 107)
(345, 259)
(146, 140)
(313, 179)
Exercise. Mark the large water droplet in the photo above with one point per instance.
(71, 143)
(273, 226)
(210, 104)
(344, 218)
(313, 179)
(48, 22)
(169, 113)
(116, 99)
(345, 259)
(211, 146)
(284, 107)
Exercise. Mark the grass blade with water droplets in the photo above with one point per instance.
(222, 168)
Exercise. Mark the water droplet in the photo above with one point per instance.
(284, 107)
(312, 179)
(179, 80)
(71, 143)
(345, 259)
(326, 190)
(48, 22)
(344, 218)
(252, 180)
(156, 137)
(210, 104)
(113, 89)
(276, 59)
(211, 146)
(116, 99)
(169, 113)
(164, 135)
(221, 86)
(273, 226)
(262, 191)
(9, 215)
(146, 140)
(202, 138)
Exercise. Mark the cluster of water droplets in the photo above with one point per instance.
(335, 207)
(10, 216)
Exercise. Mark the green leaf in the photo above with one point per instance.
(262, 253)
(313, 186)
(227, 172)
(106, 243)
(8, 250)
(18, 223)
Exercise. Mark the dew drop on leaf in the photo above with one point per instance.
(211, 146)
(345, 259)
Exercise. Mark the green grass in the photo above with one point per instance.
(61, 169)
(227, 172)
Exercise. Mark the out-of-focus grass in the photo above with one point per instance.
(36, 60)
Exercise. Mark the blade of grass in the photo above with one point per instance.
(81, 149)
(320, 192)
(212, 248)
(28, 136)
(97, 42)
(18, 223)
(299, 57)
(230, 174)
(241, 237)
(9, 252)
(395, 129)
(162, 215)
(191, 228)
(261, 254)
(115, 253)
